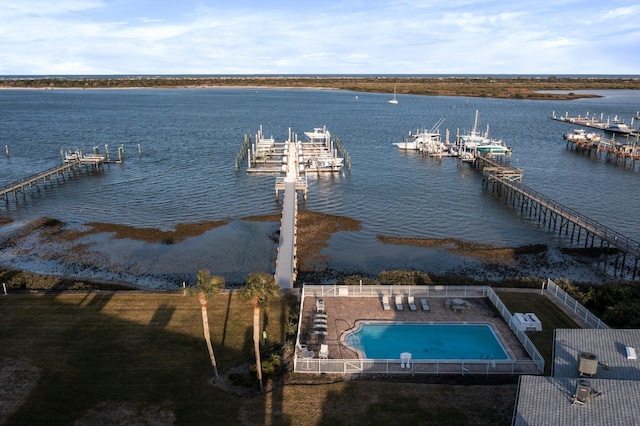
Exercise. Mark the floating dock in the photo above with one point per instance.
(319, 153)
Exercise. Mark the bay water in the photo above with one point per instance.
(180, 146)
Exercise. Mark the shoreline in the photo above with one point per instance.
(51, 248)
(532, 88)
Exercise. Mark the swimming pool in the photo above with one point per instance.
(377, 340)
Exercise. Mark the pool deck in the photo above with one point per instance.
(344, 313)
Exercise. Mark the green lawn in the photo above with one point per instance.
(547, 312)
(127, 347)
(123, 358)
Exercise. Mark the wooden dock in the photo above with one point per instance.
(618, 253)
(625, 153)
(53, 176)
(612, 125)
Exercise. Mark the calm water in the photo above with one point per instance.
(427, 341)
(185, 173)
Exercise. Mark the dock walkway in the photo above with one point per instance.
(51, 176)
(625, 252)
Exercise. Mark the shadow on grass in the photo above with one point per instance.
(100, 351)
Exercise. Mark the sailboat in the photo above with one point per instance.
(394, 100)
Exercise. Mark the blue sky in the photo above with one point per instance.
(319, 37)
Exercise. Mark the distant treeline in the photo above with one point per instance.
(494, 87)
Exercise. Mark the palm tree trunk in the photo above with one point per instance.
(256, 341)
(207, 336)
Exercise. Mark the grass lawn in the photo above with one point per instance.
(96, 351)
(547, 312)
(125, 358)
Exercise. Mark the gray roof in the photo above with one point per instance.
(609, 345)
(549, 401)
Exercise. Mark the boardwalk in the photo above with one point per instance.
(619, 253)
(51, 176)
(286, 262)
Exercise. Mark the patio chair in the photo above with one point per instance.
(320, 326)
(385, 303)
(425, 305)
(412, 303)
(319, 305)
(319, 320)
(324, 351)
(399, 305)
(320, 316)
(319, 332)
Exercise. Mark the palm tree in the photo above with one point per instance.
(206, 287)
(261, 288)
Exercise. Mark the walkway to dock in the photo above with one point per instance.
(618, 252)
(292, 160)
(51, 176)
(286, 262)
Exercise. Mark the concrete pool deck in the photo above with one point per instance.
(344, 313)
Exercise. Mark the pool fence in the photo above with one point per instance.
(561, 297)
(535, 365)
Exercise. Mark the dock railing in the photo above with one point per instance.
(394, 366)
(562, 297)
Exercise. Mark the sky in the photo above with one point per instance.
(104, 37)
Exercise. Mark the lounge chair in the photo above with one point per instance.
(320, 326)
(399, 305)
(385, 303)
(412, 303)
(319, 332)
(425, 305)
(320, 316)
(324, 351)
(319, 320)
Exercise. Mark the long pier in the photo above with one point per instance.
(52, 176)
(618, 252)
(293, 159)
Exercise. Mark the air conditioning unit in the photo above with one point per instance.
(587, 363)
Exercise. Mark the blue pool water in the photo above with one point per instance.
(427, 341)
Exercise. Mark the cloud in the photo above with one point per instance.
(244, 37)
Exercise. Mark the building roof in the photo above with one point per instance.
(549, 401)
(608, 345)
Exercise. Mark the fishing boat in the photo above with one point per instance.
(422, 139)
(475, 142)
(394, 100)
(581, 136)
(617, 126)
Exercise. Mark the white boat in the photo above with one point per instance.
(320, 135)
(430, 140)
(581, 136)
(475, 142)
(617, 126)
(71, 156)
(394, 100)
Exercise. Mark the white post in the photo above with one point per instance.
(4, 286)
(184, 288)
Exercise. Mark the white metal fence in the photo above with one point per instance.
(394, 366)
(580, 311)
